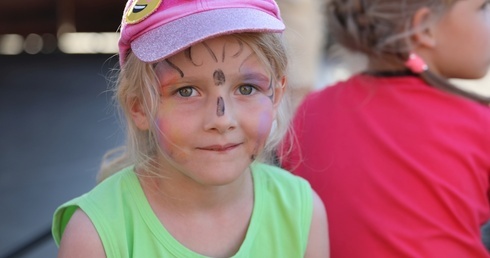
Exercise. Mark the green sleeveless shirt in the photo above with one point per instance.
(127, 226)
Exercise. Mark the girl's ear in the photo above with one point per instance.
(279, 92)
(424, 29)
(138, 114)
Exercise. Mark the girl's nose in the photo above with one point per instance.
(219, 116)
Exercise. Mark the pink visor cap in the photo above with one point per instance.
(156, 29)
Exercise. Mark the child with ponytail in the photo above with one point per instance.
(400, 155)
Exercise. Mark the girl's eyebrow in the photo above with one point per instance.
(257, 76)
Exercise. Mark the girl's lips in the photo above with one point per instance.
(219, 147)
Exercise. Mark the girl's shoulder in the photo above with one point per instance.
(106, 200)
(283, 210)
(272, 180)
(262, 171)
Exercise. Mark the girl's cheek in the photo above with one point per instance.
(264, 125)
(261, 112)
(162, 134)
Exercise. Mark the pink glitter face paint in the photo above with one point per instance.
(220, 109)
(263, 130)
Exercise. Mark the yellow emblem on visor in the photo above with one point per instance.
(140, 9)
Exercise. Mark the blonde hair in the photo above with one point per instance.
(381, 29)
(138, 82)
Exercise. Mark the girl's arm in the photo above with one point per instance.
(80, 239)
(318, 242)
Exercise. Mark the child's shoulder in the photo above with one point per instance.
(276, 177)
(110, 188)
(102, 202)
(106, 192)
(272, 171)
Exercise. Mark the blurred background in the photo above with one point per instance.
(57, 118)
(56, 114)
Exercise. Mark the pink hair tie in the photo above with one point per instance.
(416, 64)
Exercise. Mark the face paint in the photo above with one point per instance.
(220, 109)
(240, 50)
(219, 77)
(188, 55)
(260, 79)
(263, 130)
(175, 67)
(210, 52)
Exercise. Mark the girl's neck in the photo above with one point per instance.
(210, 220)
(385, 63)
(181, 193)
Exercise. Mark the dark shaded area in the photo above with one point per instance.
(30, 245)
(56, 122)
(45, 16)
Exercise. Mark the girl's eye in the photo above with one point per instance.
(246, 89)
(186, 92)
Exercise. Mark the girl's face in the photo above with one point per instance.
(462, 36)
(217, 105)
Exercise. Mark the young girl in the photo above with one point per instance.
(201, 85)
(400, 156)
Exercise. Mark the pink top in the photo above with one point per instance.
(403, 168)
